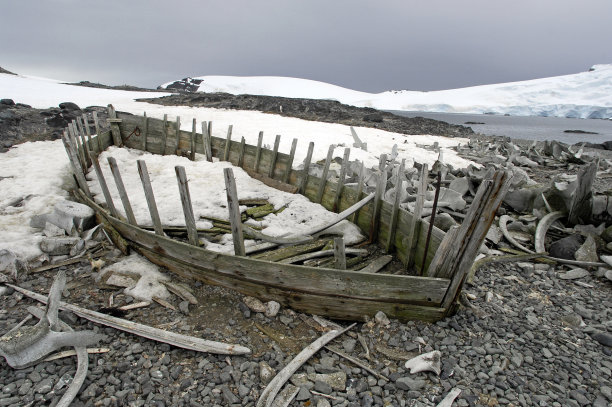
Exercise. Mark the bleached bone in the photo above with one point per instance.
(543, 227)
(450, 397)
(503, 221)
(358, 143)
(427, 362)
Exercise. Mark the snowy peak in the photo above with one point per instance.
(582, 95)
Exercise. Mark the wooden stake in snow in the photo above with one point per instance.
(192, 140)
(241, 152)
(290, 161)
(122, 192)
(323, 180)
(274, 156)
(270, 392)
(164, 134)
(177, 129)
(183, 185)
(304, 179)
(76, 166)
(339, 254)
(234, 211)
(148, 191)
(145, 131)
(359, 189)
(378, 198)
(114, 125)
(104, 187)
(341, 178)
(97, 126)
(258, 151)
(415, 223)
(228, 143)
(394, 211)
(206, 142)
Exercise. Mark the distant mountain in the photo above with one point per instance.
(582, 95)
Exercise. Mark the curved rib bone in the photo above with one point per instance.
(503, 221)
(543, 227)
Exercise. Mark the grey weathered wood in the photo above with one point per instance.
(378, 198)
(177, 129)
(304, 177)
(415, 223)
(393, 221)
(183, 185)
(164, 135)
(76, 143)
(148, 191)
(192, 140)
(103, 186)
(241, 152)
(122, 192)
(377, 265)
(290, 160)
(339, 254)
(258, 151)
(441, 252)
(234, 211)
(580, 210)
(145, 131)
(228, 143)
(359, 189)
(274, 156)
(341, 178)
(98, 132)
(77, 170)
(116, 133)
(88, 132)
(81, 132)
(206, 142)
(323, 180)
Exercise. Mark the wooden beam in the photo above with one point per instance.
(122, 192)
(77, 170)
(290, 161)
(378, 198)
(148, 191)
(192, 140)
(274, 156)
(81, 132)
(241, 152)
(145, 132)
(323, 180)
(341, 178)
(206, 142)
(304, 179)
(183, 185)
(228, 143)
(258, 151)
(234, 211)
(164, 135)
(359, 189)
(98, 132)
(87, 132)
(114, 125)
(177, 125)
(104, 187)
(398, 194)
(78, 147)
(415, 224)
(339, 254)
(580, 211)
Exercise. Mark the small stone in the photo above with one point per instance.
(381, 318)
(605, 338)
(303, 394)
(574, 320)
(266, 373)
(272, 308)
(254, 304)
(349, 344)
(547, 353)
(44, 386)
(406, 383)
(322, 387)
(184, 307)
(574, 274)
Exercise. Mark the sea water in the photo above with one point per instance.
(527, 127)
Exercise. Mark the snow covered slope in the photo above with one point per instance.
(581, 95)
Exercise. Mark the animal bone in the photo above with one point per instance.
(427, 362)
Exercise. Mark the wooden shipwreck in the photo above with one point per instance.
(435, 264)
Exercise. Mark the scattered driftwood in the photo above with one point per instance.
(178, 340)
(322, 253)
(270, 392)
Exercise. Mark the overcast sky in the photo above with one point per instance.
(364, 45)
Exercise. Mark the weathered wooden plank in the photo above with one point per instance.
(164, 141)
(228, 143)
(81, 132)
(145, 131)
(258, 152)
(97, 126)
(323, 180)
(398, 194)
(415, 223)
(77, 170)
(290, 161)
(378, 198)
(377, 264)
(122, 192)
(339, 254)
(274, 156)
(177, 129)
(150, 196)
(78, 147)
(192, 140)
(104, 187)
(304, 178)
(88, 133)
(183, 185)
(234, 211)
(281, 186)
(113, 120)
(341, 178)
(241, 153)
(580, 210)
(359, 189)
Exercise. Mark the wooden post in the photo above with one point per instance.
(97, 126)
(122, 192)
(81, 133)
(323, 181)
(290, 161)
(471, 234)
(77, 170)
(177, 151)
(193, 140)
(355, 215)
(274, 156)
(76, 142)
(228, 143)
(581, 206)
(87, 132)
(234, 212)
(341, 178)
(415, 224)
(114, 125)
(145, 132)
(241, 152)
(378, 198)
(304, 180)
(339, 253)
(164, 134)
(396, 203)
(258, 152)
(148, 190)
(105, 191)
(183, 185)
(206, 141)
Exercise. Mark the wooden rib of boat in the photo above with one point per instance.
(331, 292)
